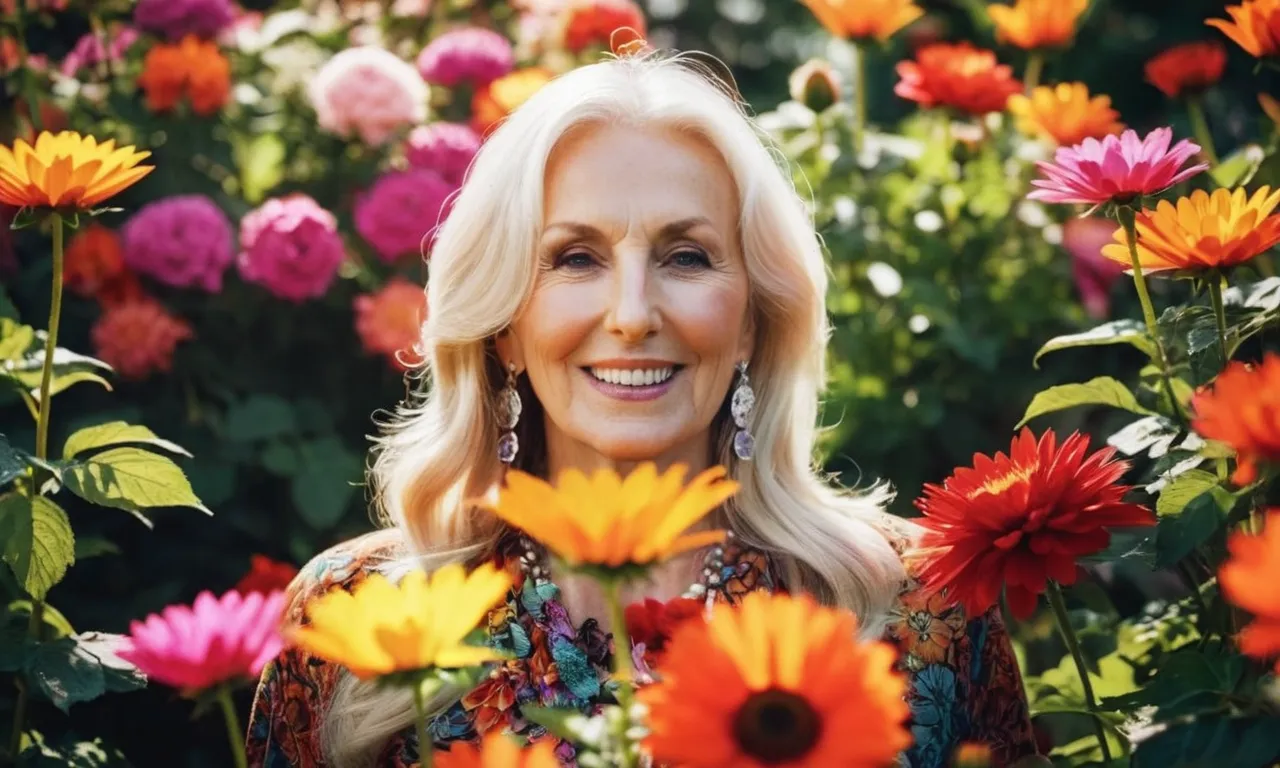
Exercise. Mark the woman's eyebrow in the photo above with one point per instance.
(668, 230)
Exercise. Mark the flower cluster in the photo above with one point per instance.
(369, 93)
(290, 246)
(183, 241)
(193, 69)
(400, 212)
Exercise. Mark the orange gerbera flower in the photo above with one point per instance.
(193, 68)
(864, 19)
(67, 170)
(1248, 580)
(1203, 231)
(776, 680)
(1187, 69)
(498, 751)
(1254, 26)
(1065, 114)
(958, 76)
(1242, 409)
(1019, 520)
(93, 259)
(496, 100)
(1031, 24)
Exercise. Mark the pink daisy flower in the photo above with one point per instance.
(1115, 169)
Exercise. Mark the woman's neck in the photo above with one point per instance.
(564, 452)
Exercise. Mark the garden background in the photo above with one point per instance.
(946, 281)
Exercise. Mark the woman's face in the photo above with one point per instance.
(639, 308)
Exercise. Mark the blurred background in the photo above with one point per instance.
(945, 282)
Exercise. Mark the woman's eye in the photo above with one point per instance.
(575, 260)
(689, 258)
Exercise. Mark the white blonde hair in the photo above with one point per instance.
(440, 448)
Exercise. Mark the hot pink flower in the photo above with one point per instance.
(184, 241)
(446, 148)
(212, 642)
(1117, 168)
(368, 92)
(291, 246)
(1094, 273)
(471, 54)
(90, 50)
(401, 210)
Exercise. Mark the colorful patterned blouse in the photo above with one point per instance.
(964, 679)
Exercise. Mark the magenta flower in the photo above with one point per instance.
(216, 640)
(290, 246)
(176, 19)
(1094, 273)
(399, 213)
(89, 50)
(446, 148)
(1115, 169)
(471, 54)
(183, 241)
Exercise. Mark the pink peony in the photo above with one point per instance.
(184, 241)
(1115, 169)
(368, 92)
(446, 148)
(402, 209)
(90, 51)
(472, 55)
(1094, 273)
(214, 641)
(175, 19)
(291, 246)
(137, 337)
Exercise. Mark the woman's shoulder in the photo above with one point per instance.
(341, 566)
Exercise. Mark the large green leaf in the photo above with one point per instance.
(1182, 489)
(130, 479)
(116, 433)
(1212, 742)
(1124, 331)
(38, 543)
(322, 488)
(1102, 390)
(1187, 682)
(1177, 535)
(65, 381)
(81, 668)
(260, 417)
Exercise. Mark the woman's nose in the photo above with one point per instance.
(632, 315)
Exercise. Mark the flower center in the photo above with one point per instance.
(1001, 483)
(776, 726)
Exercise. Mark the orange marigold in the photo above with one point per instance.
(1187, 69)
(958, 76)
(137, 338)
(1242, 409)
(496, 100)
(1248, 580)
(93, 259)
(498, 751)
(1254, 26)
(593, 23)
(1031, 24)
(389, 322)
(1065, 114)
(193, 68)
(864, 19)
(776, 680)
(1203, 231)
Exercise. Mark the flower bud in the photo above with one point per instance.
(815, 85)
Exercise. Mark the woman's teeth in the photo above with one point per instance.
(633, 377)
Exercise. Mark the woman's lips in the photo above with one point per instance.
(629, 392)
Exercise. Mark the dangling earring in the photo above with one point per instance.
(744, 401)
(509, 407)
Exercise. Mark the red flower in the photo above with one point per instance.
(93, 260)
(266, 575)
(652, 621)
(1018, 520)
(958, 76)
(1187, 69)
(1248, 580)
(1242, 409)
(594, 22)
(137, 338)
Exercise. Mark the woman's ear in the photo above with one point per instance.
(509, 350)
(747, 344)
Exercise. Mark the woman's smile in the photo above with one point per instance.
(635, 380)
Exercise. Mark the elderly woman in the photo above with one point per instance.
(626, 262)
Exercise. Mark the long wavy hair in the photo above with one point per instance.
(439, 448)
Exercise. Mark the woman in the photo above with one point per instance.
(626, 259)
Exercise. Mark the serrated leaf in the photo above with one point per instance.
(1182, 489)
(1126, 331)
(116, 433)
(63, 674)
(62, 383)
(38, 543)
(131, 479)
(1102, 390)
(260, 417)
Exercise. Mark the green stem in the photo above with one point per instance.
(233, 726)
(1127, 219)
(1035, 66)
(1219, 313)
(20, 706)
(425, 747)
(1200, 127)
(860, 112)
(622, 668)
(1059, 606)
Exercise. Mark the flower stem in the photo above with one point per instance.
(622, 669)
(1219, 313)
(1035, 66)
(1200, 127)
(425, 748)
(233, 726)
(1059, 606)
(20, 706)
(1127, 220)
(860, 112)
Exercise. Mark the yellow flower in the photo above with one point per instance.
(864, 19)
(1203, 231)
(67, 170)
(379, 628)
(1031, 24)
(604, 521)
(1065, 114)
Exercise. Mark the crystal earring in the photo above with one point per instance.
(509, 407)
(744, 401)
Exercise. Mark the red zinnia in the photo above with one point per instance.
(652, 622)
(266, 576)
(958, 76)
(1187, 69)
(1019, 520)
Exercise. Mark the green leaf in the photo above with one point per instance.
(38, 543)
(1182, 489)
(1127, 331)
(1153, 434)
(260, 417)
(50, 616)
(1102, 390)
(1187, 682)
(104, 649)
(29, 369)
(15, 339)
(116, 433)
(1177, 535)
(14, 645)
(280, 458)
(568, 724)
(1213, 742)
(87, 547)
(69, 751)
(261, 163)
(322, 488)
(12, 463)
(1238, 168)
(131, 479)
(66, 381)
(63, 675)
